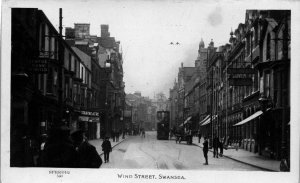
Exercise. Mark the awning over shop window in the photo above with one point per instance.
(202, 121)
(208, 120)
(253, 116)
(187, 120)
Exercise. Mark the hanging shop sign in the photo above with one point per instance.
(240, 81)
(240, 71)
(39, 65)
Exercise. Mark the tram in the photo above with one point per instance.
(163, 121)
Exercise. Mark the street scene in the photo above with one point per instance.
(144, 90)
(148, 153)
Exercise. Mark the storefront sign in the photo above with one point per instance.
(240, 81)
(39, 65)
(89, 119)
(240, 71)
(83, 118)
(94, 119)
(89, 113)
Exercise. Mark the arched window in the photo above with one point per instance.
(268, 46)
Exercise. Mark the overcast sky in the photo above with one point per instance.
(146, 28)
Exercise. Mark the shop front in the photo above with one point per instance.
(90, 123)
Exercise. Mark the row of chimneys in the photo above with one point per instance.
(85, 28)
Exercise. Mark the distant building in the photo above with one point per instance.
(82, 30)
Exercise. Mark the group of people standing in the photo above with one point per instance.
(63, 149)
(217, 143)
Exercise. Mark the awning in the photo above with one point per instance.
(188, 119)
(208, 120)
(253, 116)
(202, 121)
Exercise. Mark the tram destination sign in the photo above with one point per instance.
(39, 65)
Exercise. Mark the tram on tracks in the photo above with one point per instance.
(163, 121)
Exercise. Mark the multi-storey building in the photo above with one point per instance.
(47, 79)
(173, 107)
(107, 75)
(184, 76)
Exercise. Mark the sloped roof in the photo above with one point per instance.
(86, 59)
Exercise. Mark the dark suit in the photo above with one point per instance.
(216, 144)
(106, 148)
(205, 150)
(88, 156)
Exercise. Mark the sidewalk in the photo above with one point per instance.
(246, 157)
(98, 142)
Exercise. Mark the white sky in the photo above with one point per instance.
(146, 28)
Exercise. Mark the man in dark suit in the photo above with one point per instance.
(106, 148)
(88, 155)
(205, 150)
(216, 144)
(59, 150)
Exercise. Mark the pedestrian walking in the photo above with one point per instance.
(88, 156)
(199, 136)
(44, 138)
(59, 150)
(221, 146)
(216, 144)
(205, 150)
(106, 148)
(143, 133)
(113, 134)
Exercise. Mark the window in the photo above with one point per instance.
(49, 85)
(82, 93)
(256, 35)
(268, 47)
(70, 62)
(267, 84)
(66, 88)
(42, 36)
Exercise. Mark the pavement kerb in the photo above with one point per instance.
(116, 144)
(266, 169)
